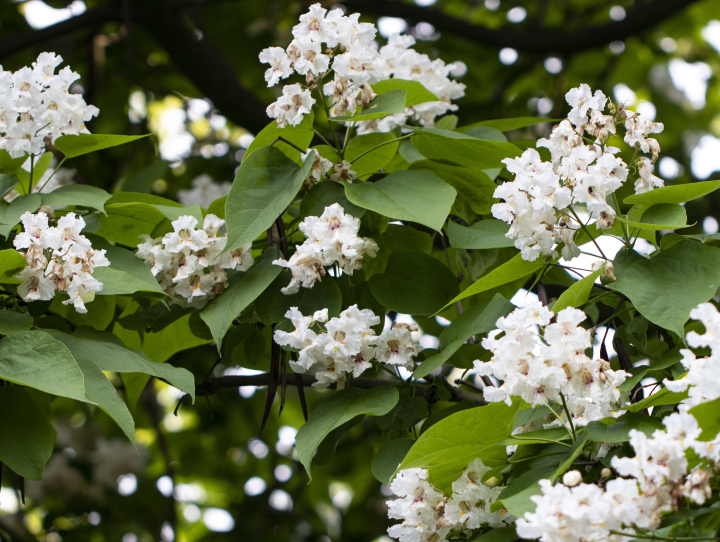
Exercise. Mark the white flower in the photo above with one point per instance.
(638, 128)
(582, 101)
(280, 65)
(343, 172)
(646, 181)
(397, 347)
(185, 235)
(35, 287)
(319, 167)
(291, 106)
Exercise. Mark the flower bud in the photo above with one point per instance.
(572, 478)
(606, 472)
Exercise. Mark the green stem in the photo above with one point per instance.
(587, 231)
(53, 174)
(378, 146)
(571, 433)
(626, 230)
(570, 422)
(321, 137)
(32, 172)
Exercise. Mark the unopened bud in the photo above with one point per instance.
(572, 478)
(605, 473)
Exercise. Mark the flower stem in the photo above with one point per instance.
(587, 231)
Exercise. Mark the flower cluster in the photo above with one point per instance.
(203, 192)
(541, 361)
(538, 202)
(702, 375)
(36, 104)
(331, 237)
(659, 482)
(186, 263)
(58, 258)
(328, 40)
(428, 514)
(345, 345)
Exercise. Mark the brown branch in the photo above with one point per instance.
(541, 40)
(214, 385)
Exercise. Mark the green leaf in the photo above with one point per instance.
(659, 398)
(375, 160)
(110, 354)
(26, 436)
(265, 184)
(124, 222)
(79, 195)
(575, 451)
(382, 105)
(243, 289)
(678, 193)
(300, 135)
(451, 147)
(479, 319)
(578, 293)
(505, 125)
(35, 359)
(389, 457)
(555, 435)
(8, 181)
(416, 92)
(339, 408)
(612, 430)
(27, 203)
(126, 274)
(143, 180)
(77, 145)
(488, 233)
(659, 287)
(98, 388)
(10, 165)
(39, 169)
(472, 185)
(449, 445)
(663, 216)
(413, 283)
(516, 496)
(708, 418)
(419, 196)
(395, 237)
(514, 269)
(498, 534)
(325, 194)
(13, 321)
(11, 263)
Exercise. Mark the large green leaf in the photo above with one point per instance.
(514, 269)
(678, 193)
(98, 388)
(11, 263)
(416, 92)
(389, 457)
(414, 283)
(125, 222)
(614, 430)
(488, 233)
(389, 103)
(10, 165)
(99, 313)
(396, 237)
(126, 274)
(479, 319)
(79, 195)
(516, 496)
(339, 408)
(578, 293)
(265, 184)
(12, 321)
(666, 287)
(26, 436)
(663, 216)
(8, 181)
(77, 145)
(447, 146)
(659, 398)
(272, 304)
(472, 185)
(35, 359)
(110, 354)
(419, 196)
(243, 289)
(505, 125)
(708, 418)
(448, 446)
(27, 203)
(325, 194)
(300, 135)
(374, 160)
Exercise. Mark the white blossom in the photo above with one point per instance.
(291, 106)
(36, 105)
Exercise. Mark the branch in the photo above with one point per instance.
(199, 59)
(213, 385)
(538, 39)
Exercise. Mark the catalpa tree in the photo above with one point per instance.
(363, 216)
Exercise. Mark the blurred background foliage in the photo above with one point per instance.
(187, 70)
